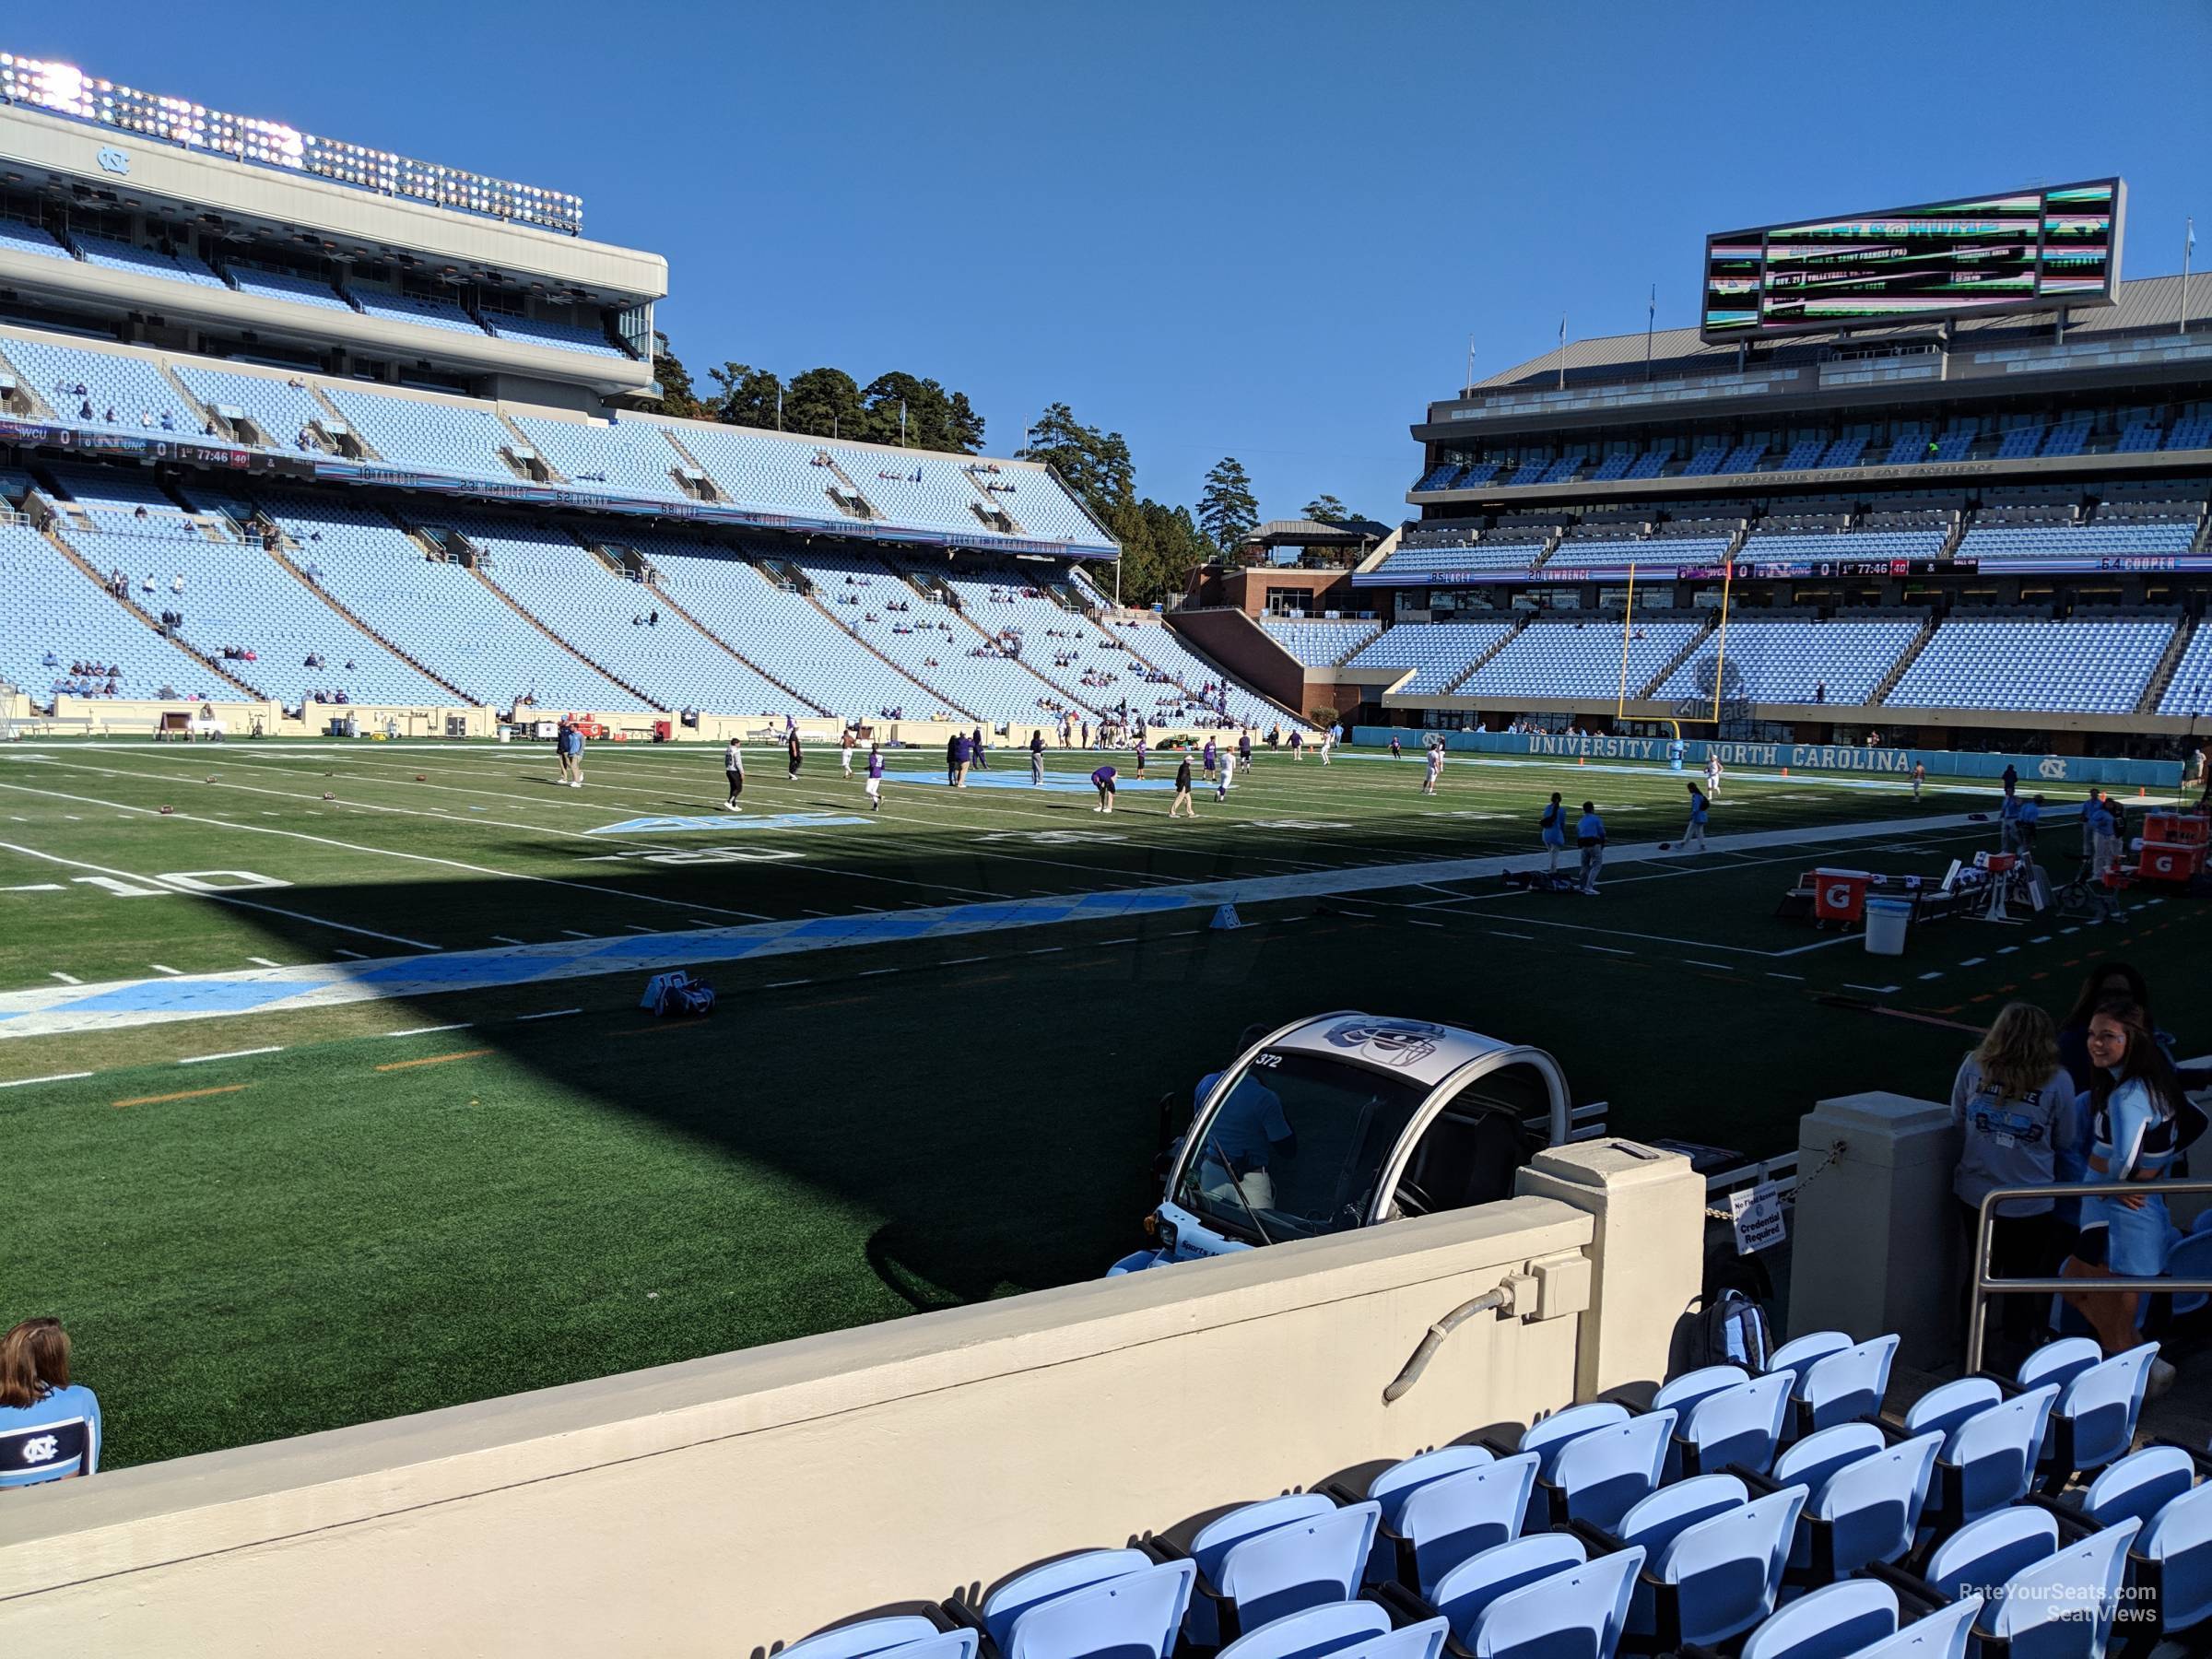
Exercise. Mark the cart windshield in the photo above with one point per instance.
(1295, 1148)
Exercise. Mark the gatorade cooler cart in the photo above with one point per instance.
(1840, 897)
(2174, 847)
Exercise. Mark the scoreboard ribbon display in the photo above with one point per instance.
(2028, 250)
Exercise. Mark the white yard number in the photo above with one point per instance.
(179, 881)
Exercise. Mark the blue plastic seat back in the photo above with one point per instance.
(1654, 1523)
(1224, 1532)
(1726, 1571)
(1578, 1610)
(2104, 1402)
(874, 1636)
(1391, 1488)
(1041, 1585)
(1874, 1504)
(1607, 1470)
(1812, 1460)
(1316, 1634)
(1833, 1622)
(1547, 1439)
(1422, 1640)
(2068, 1598)
(1463, 1514)
(1994, 1453)
(2059, 1362)
(1947, 1405)
(1741, 1425)
(2180, 1538)
(2141, 1484)
(2191, 1257)
(1942, 1634)
(1983, 1554)
(1688, 1388)
(1847, 1387)
(1304, 1563)
(1132, 1617)
(1463, 1592)
(1801, 1351)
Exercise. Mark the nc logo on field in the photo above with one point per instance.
(2053, 766)
(114, 160)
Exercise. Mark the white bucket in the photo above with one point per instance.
(1888, 921)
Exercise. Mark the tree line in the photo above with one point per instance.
(1162, 544)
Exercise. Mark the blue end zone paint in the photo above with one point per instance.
(722, 820)
(1054, 782)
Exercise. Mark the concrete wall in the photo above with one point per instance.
(1240, 645)
(714, 1507)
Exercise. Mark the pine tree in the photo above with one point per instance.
(1228, 509)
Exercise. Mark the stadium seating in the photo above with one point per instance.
(1441, 652)
(1843, 451)
(2189, 691)
(53, 608)
(2191, 434)
(634, 457)
(2088, 666)
(116, 255)
(1786, 659)
(432, 434)
(1578, 659)
(283, 411)
(762, 469)
(615, 621)
(19, 236)
(285, 285)
(1998, 544)
(1650, 464)
(546, 330)
(133, 389)
(915, 489)
(1613, 466)
(1186, 697)
(1843, 543)
(1319, 644)
(1044, 510)
(415, 308)
(1705, 461)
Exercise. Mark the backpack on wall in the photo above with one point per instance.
(1733, 1330)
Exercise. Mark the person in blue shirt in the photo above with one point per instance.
(568, 745)
(2103, 834)
(1102, 781)
(48, 1428)
(1553, 824)
(2088, 825)
(1694, 836)
(2024, 824)
(2136, 1128)
(1250, 1130)
(1590, 836)
(2008, 822)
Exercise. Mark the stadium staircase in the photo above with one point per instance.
(852, 499)
(1220, 674)
(1505, 639)
(1905, 660)
(24, 401)
(279, 546)
(480, 571)
(1053, 685)
(2161, 677)
(1549, 547)
(518, 445)
(668, 602)
(50, 531)
(837, 623)
(930, 587)
(1960, 522)
(1674, 664)
(785, 573)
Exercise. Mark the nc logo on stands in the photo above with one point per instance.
(114, 160)
(2053, 766)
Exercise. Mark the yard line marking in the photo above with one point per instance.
(1723, 966)
(957, 961)
(1878, 990)
(871, 972)
(1798, 977)
(432, 1060)
(1499, 932)
(2006, 950)
(233, 1054)
(264, 963)
(575, 935)
(2069, 930)
(184, 1094)
(356, 954)
(1048, 950)
(549, 1014)
(34, 887)
(2040, 939)
(425, 1030)
(66, 979)
(72, 818)
(51, 1078)
(639, 927)
(162, 968)
(1608, 949)
(1938, 974)
(1417, 922)
(1973, 961)
(779, 984)
(503, 940)
(815, 913)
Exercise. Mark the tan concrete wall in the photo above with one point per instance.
(714, 1507)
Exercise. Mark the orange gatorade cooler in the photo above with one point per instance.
(1840, 895)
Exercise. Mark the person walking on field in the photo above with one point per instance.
(1140, 757)
(1553, 825)
(964, 755)
(1223, 778)
(1244, 749)
(1210, 757)
(845, 741)
(791, 745)
(952, 758)
(1297, 744)
(572, 739)
(1037, 759)
(875, 777)
(1590, 836)
(1435, 770)
(1181, 807)
(1328, 742)
(1920, 776)
(975, 748)
(1693, 837)
(1397, 751)
(732, 768)
(1712, 776)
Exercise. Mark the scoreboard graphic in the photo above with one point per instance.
(2026, 250)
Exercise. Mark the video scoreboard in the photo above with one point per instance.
(2026, 250)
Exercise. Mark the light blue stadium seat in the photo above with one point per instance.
(1833, 1622)
(1598, 1475)
(1843, 1387)
(1865, 1510)
(1266, 1559)
(287, 285)
(2093, 1420)
(1439, 652)
(2059, 1362)
(2173, 1561)
(2062, 1606)
(1442, 1522)
(1720, 1577)
(1981, 1556)
(1947, 1405)
(1654, 1522)
(1424, 1639)
(2139, 1484)
(909, 1636)
(1320, 644)
(1988, 1462)
(1941, 1634)
(1319, 1632)
(1800, 1351)
(1737, 1426)
(1578, 1611)
(1472, 1586)
(397, 307)
(588, 337)
(1133, 1615)
(1052, 1580)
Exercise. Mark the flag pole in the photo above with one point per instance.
(1650, 317)
(1562, 351)
(2180, 323)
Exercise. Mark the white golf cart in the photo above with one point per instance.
(1345, 1119)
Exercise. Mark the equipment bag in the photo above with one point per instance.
(658, 987)
(697, 997)
(1732, 1331)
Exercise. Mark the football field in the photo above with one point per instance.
(327, 1061)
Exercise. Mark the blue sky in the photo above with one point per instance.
(1259, 229)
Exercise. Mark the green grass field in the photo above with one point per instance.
(428, 1198)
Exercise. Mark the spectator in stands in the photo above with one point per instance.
(1820, 691)
(49, 1426)
(2016, 1106)
(2138, 1123)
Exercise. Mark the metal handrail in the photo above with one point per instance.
(1984, 1286)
